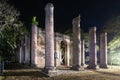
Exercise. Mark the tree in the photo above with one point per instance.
(112, 27)
(12, 30)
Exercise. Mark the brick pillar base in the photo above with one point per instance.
(77, 67)
(92, 67)
(49, 73)
(103, 66)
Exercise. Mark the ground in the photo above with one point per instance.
(21, 72)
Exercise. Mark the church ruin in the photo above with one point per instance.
(45, 48)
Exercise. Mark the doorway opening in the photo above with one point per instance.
(63, 53)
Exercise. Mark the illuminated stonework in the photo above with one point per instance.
(76, 44)
(34, 46)
(82, 53)
(92, 49)
(103, 50)
(46, 49)
(49, 37)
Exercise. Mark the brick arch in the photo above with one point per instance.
(66, 42)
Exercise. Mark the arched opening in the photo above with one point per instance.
(63, 53)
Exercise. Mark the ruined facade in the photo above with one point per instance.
(38, 58)
(47, 49)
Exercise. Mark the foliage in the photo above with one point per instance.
(114, 51)
(113, 24)
(34, 21)
(112, 27)
(12, 30)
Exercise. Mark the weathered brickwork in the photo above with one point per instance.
(47, 49)
(103, 50)
(92, 48)
(40, 49)
(76, 44)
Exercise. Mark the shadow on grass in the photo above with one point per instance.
(15, 69)
(25, 73)
(15, 66)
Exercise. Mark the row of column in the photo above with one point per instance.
(22, 52)
(78, 48)
(93, 50)
(50, 61)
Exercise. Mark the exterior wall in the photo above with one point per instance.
(23, 55)
(41, 48)
(66, 39)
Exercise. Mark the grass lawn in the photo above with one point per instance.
(20, 72)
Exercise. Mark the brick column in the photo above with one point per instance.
(49, 37)
(34, 45)
(20, 55)
(103, 50)
(71, 52)
(82, 54)
(26, 48)
(92, 48)
(68, 53)
(76, 44)
(29, 48)
(49, 40)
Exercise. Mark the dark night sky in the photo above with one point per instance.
(93, 12)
